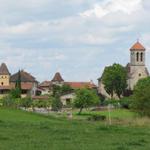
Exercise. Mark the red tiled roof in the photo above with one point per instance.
(137, 46)
(76, 85)
(24, 86)
(57, 77)
(5, 87)
(45, 84)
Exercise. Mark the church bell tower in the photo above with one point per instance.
(137, 53)
(137, 69)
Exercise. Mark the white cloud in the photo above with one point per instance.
(111, 6)
(43, 36)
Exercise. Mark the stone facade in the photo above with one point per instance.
(4, 80)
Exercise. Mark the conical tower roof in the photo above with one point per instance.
(137, 47)
(57, 77)
(4, 70)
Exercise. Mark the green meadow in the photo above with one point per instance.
(21, 130)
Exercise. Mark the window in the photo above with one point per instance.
(139, 74)
(2, 83)
(137, 56)
(141, 56)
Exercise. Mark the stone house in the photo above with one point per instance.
(7, 82)
(58, 80)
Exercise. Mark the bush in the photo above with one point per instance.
(97, 118)
(125, 102)
(141, 97)
(56, 104)
(41, 104)
(26, 102)
(15, 93)
(113, 102)
(8, 101)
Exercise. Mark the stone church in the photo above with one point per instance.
(136, 69)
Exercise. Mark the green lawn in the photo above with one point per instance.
(26, 131)
(115, 114)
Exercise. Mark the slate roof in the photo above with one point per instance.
(25, 77)
(57, 77)
(4, 70)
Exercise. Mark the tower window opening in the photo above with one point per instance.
(141, 56)
(137, 56)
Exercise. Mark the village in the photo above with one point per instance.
(30, 87)
(75, 75)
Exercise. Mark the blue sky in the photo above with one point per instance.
(75, 37)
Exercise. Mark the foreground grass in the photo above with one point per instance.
(26, 131)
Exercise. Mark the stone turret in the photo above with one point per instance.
(4, 75)
(57, 79)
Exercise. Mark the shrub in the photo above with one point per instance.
(125, 102)
(26, 102)
(97, 118)
(141, 97)
(15, 93)
(56, 104)
(113, 102)
(8, 101)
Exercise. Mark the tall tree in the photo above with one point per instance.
(114, 79)
(18, 85)
(141, 97)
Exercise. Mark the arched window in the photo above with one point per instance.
(137, 56)
(141, 56)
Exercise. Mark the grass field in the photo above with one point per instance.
(26, 131)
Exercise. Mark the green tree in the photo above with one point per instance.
(56, 103)
(85, 98)
(16, 93)
(114, 79)
(66, 89)
(141, 97)
(60, 90)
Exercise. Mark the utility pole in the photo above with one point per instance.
(109, 114)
